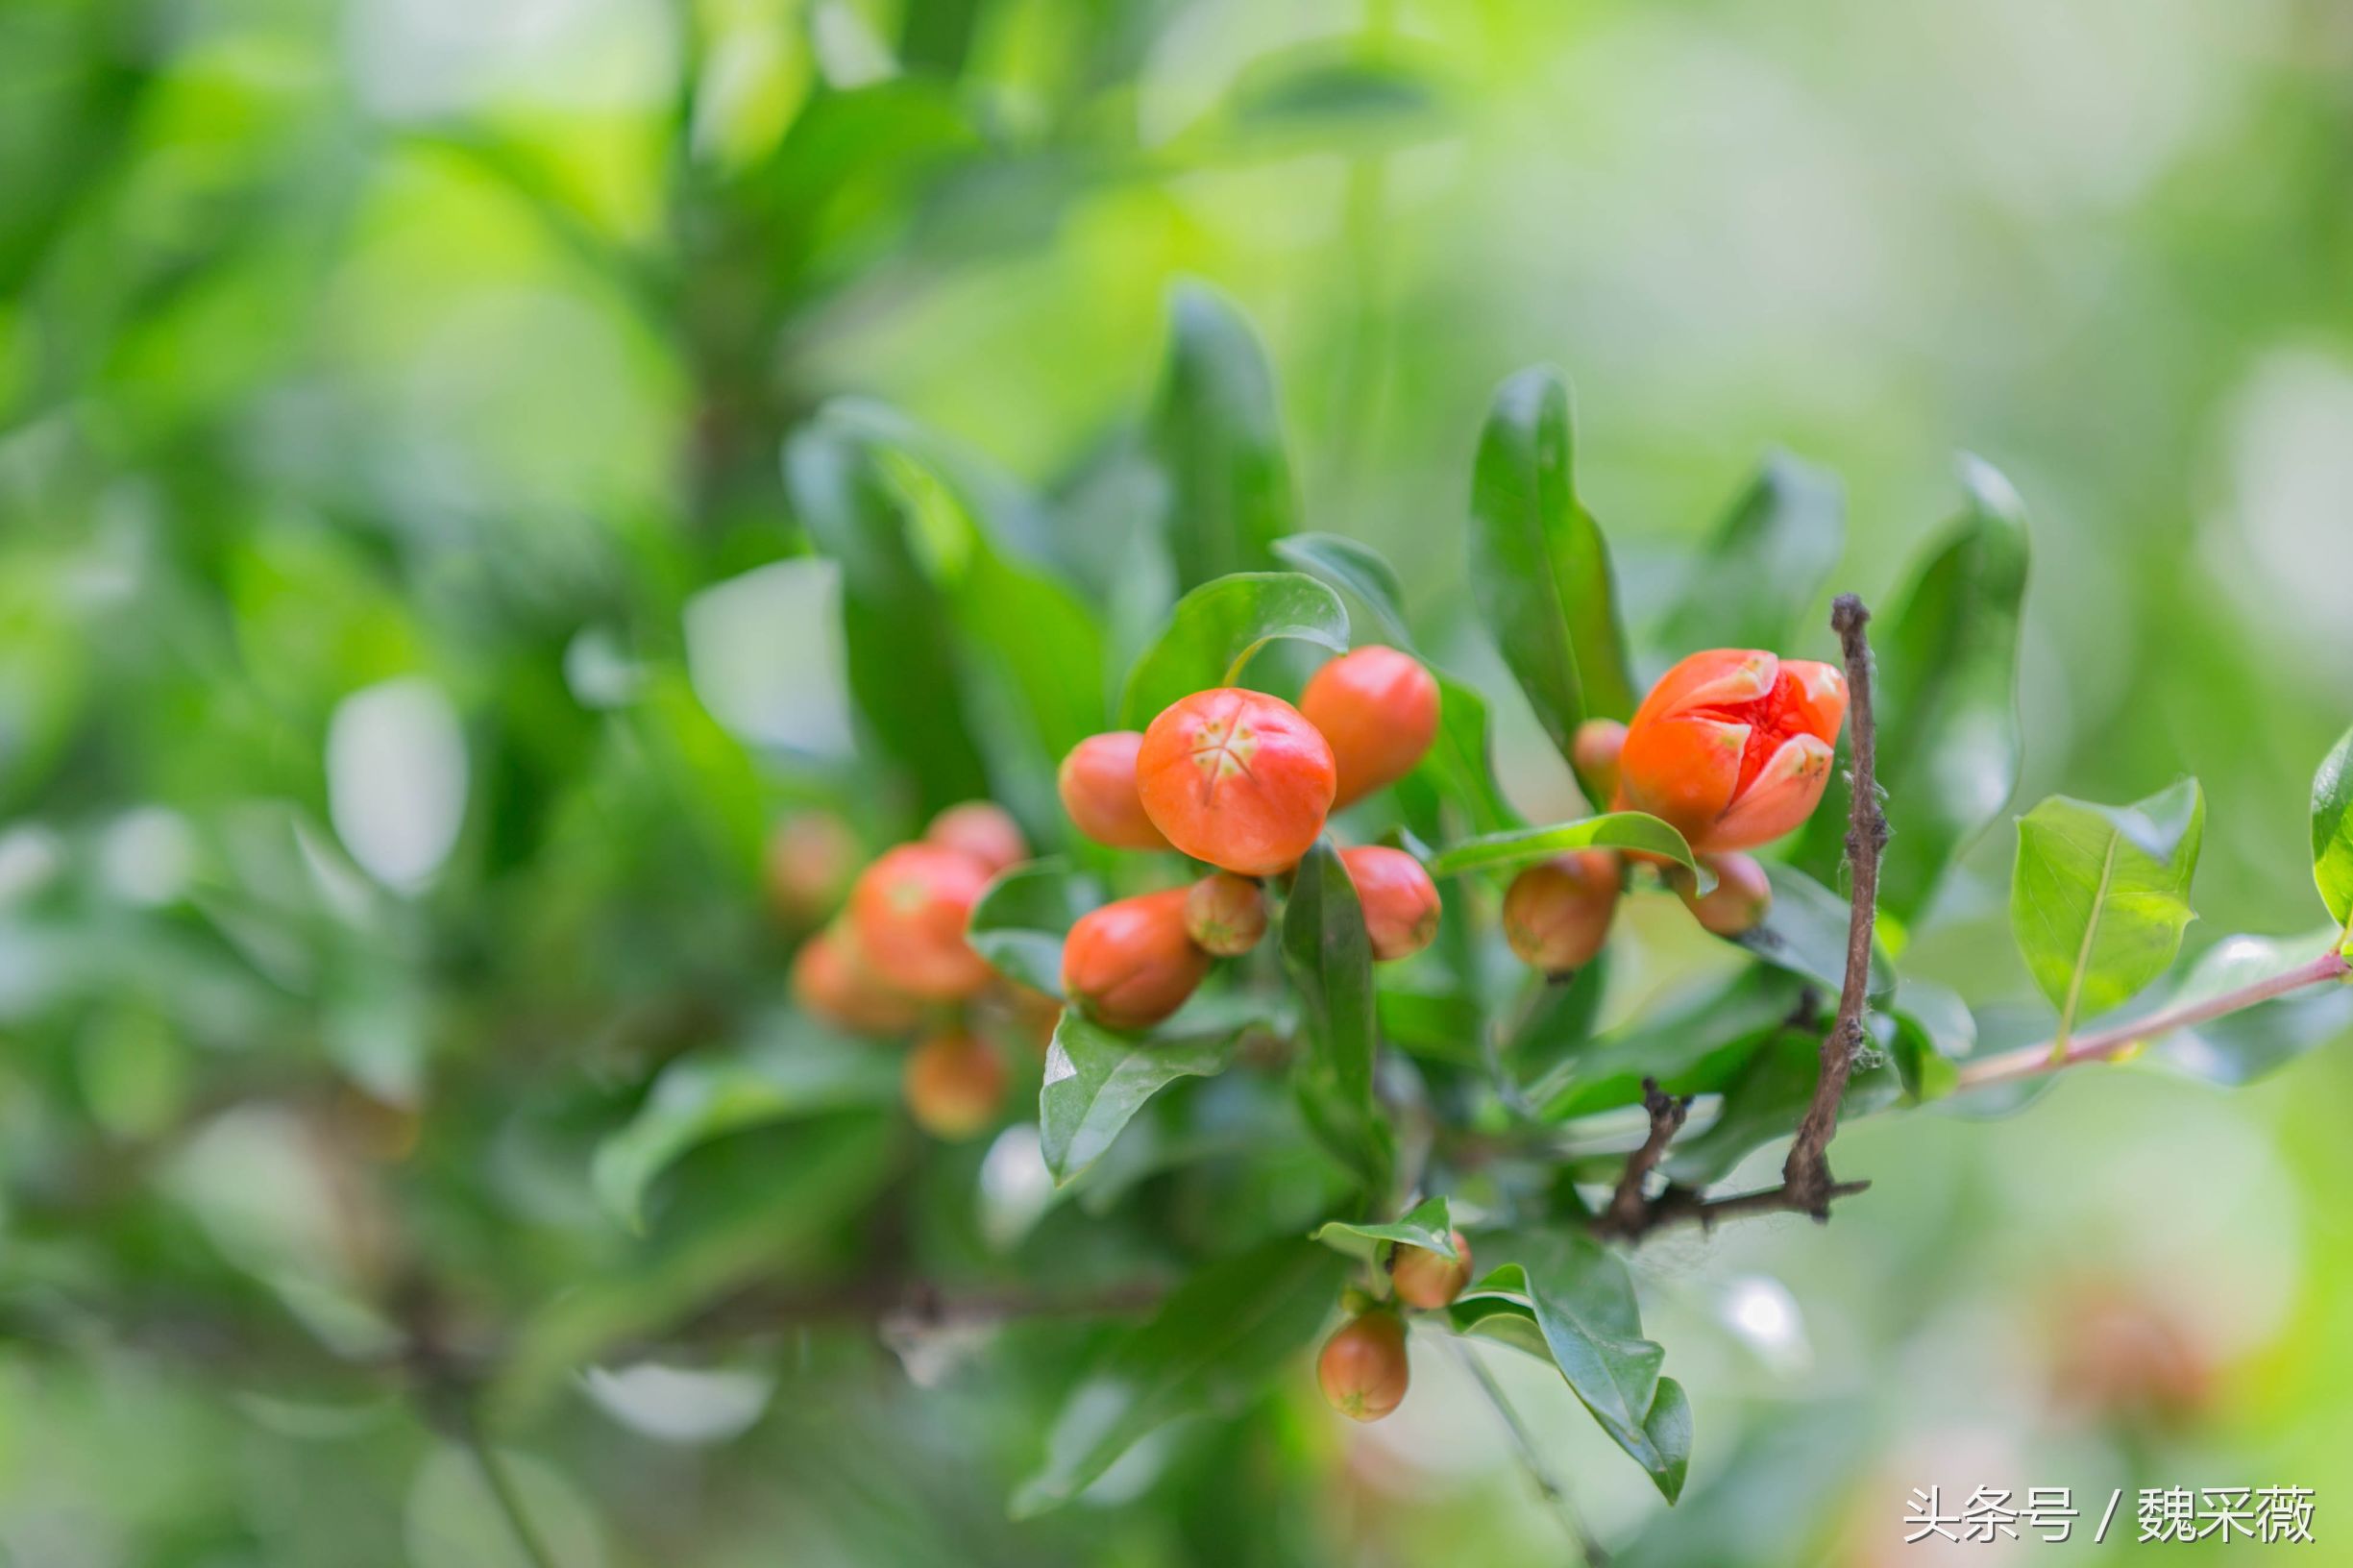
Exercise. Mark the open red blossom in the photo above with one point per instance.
(1734, 746)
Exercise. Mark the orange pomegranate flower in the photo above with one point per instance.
(1733, 747)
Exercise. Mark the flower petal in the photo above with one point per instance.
(1682, 770)
(1818, 696)
(1713, 678)
(1784, 794)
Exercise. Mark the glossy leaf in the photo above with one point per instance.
(1766, 566)
(1935, 1031)
(1219, 624)
(2242, 1046)
(1583, 1306)
(1539, 568)
(1946, 696)
(795, 1069)
(1631, 830)
(2100, 894)
(1693, 1047)
(1540, 1040)
(1329, 958)
(1216, 435)
(1429, 1226)
(2332, 833)
(1213, 1345)
(1805, 931)
(1095, 1080)
(897, 631)
(1357, 570)
(1019, 922)
(1459, 764)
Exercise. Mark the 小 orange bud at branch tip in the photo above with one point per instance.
(1400, 902)
(953, 1083)
(831, 979)
(1130, 963)
(1738, 900)
(1225, 914)
(1557, 912)
(909, 910)
(1379, 710)
(1362, 1369)
(1429, 1280)
(1097, 785)
(1236, 779)
(982, 830)
(1733, 747)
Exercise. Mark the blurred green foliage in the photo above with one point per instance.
(465, 471)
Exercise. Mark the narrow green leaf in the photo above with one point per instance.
(1427, 1226)
(792, 1069)
(1329, 958)
(1542, 1038)
(1946, 698)
(1616, 830)
(2332, 833)
(1583, 1306)
(1355, 568)
(1019, 922)
(1539, 568)
(2100, 894)
(1214, 1344)
(2239, 1047)
(1695, 1047)
(1096, 1080)
(1805, 931)
(1216, 435)
(1460, 761)
(1765, 567)
(1220, 625)
(904, 671)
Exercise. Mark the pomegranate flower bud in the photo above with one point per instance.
(953, 1083)
(1363, 1368)
(1225, 914)
(1236, 779)
(983, 830)
(1130, 963)
(1733, 747)
(806, 866)
(909, 911)
(831, 980)
(1097, 781)
(1557, 912)
(1740, 898)
(1399, 901)
(1430, 1280)
(1594, 751)
(1379, 709)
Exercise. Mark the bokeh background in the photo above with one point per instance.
(397, 676)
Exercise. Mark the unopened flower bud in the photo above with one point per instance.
(831, 981)
(1129, 963)
(806, 866)
(1738, 900)
(983, 830)
(1362, 1369)
(1593, 751)
(1225, 914)
(909, 910)
(1236, 779)
(1430, 1280)
(953, 1083)
(1098, 784)
(1556, 914)
(1400, 902)
(1379, 709)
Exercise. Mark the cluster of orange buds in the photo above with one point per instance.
(1244, 782)
(1362, 1369)
(1732, 748)
(893, 959)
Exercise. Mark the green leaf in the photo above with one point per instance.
(1427, 1226)
(2332, 833)
(1766, 566)
(1583, 1306)
(1548, 1033)
(1095, 1080)
(1539, 568)
(1213, 1345)
(1935, 1031)
(1693, 1047)
(1946, 699)
(2100, 894)
(1329, 958)
(792, 1069)
(1805, 931)
(1317, 97)
(1615, 830)
(1220, 625)
(2242, 1046)
(1216, 435)
(1459, 764)
(1019, 922)
(1355, 568)
(904, 671)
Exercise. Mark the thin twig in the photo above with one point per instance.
(1681, 1205)
(1629, 1209)
(1807, 1171)
(2102, 1044)
(1554, 1490)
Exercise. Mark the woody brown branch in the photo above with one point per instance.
(1628, 1211)
(1806, 1174)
